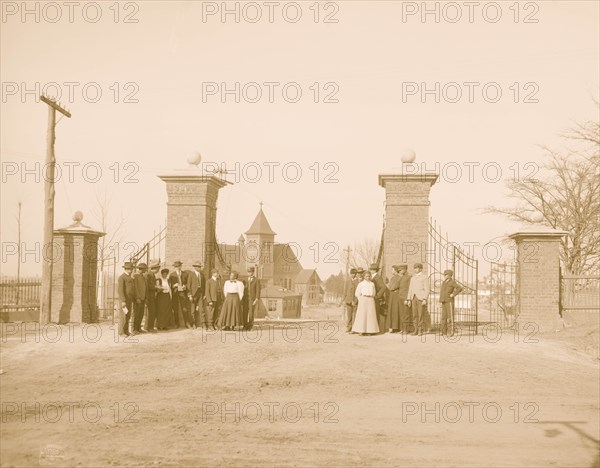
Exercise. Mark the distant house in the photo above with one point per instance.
(276, 302)
(331, 297)
(308, 283)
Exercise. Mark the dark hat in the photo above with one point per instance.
(448, 272)
(128, 265)
(142, 266)
(177, 263)
(249, 269)
(360, 271)
(154, 264)
(164, 270)
(374, 266)
(396, 267)
(418, 265)
(404, 266)
(197, 264)
(353, 271)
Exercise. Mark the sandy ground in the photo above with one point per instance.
(295, 395)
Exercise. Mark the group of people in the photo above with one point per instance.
(170, 299)
(374, 305)
(184, 298)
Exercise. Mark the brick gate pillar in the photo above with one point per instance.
(74, 273)
(406, 233)
(191, 219)
(538, 281)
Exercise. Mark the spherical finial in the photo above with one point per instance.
(537, 218)
(77, 216)
(194, 158)
(408, 156)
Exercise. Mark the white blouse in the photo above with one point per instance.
(164, 282)
(234, 287)
(365, 288)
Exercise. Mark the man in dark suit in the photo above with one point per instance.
(406, 321)
(178, 282)
(392, 320)
(196, 286)
(450, 288)
(212, 299)
(126, 287)
(381, 292)
(350, 300)
(140, 297)
(244, 302)
(252, 292)
(151, 295)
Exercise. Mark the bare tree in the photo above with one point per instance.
(365, 252)
(113, 227)
(587, 132)
(106, 250)
(335, 284)
(565, 197)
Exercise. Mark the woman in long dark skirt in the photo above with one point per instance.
(163, 301)
(231, 311)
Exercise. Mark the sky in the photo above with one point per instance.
(364, 70)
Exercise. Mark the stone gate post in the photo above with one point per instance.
(538, 282)
(74, 273)
(406, 233)
(191, 218)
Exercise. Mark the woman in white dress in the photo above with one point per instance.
(365, 321)
(231, 312)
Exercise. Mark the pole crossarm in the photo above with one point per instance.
(55, 105)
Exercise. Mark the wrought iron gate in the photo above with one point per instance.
(579, 292)
(501, 297)
(445, 255)
(153, 249)
(107, 293)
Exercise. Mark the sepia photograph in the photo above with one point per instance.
(311, 233)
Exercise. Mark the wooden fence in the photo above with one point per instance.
(20, 299)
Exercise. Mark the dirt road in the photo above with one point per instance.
(295, 395)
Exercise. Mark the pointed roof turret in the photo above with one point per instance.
(260, 225)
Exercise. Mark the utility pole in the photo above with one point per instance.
(47, 248)
(18, 252)
(347, 250)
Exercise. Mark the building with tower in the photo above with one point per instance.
(276, 264)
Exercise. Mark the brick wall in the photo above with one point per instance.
(191, 219)
(62, 280)
(89, 311)
(538, 282)
(74, 275)
(406, 219)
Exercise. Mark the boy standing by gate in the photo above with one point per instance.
(450, 288)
